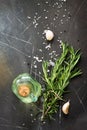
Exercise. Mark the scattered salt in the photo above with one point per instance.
(37, 59)
(54, 19)
(32, 121)
(23, 124)
(44, 10)
(46, 17)
(28, 17)
(44, 43)
(34, 62)
(31, 114)
(48, 70)
(36, 13)
(60, 41)
(38, 3)
(35, 66)
(61, 32)
(48, 46)
(46, 2)
(39, 72)
(51, 63)
(64, 15)
(38, 17)
(40, 50)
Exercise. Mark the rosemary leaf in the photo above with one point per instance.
(59, 78)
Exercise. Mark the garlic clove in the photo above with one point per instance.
(65, 108)
(49, 35)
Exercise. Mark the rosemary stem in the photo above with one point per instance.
(59, 78)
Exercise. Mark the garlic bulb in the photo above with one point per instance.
(49, 35)
(65, 108)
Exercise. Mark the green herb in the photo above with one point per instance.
(58, 78)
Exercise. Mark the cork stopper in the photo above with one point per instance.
(23, 90)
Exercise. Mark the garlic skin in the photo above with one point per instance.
(49, 35)
(65, 108)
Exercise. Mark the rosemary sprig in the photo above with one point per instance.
(58, 78)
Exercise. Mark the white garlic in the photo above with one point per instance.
(49, 35)
(65, 108)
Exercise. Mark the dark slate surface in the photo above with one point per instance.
(23, 47)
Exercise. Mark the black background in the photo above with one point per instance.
(22, 23)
